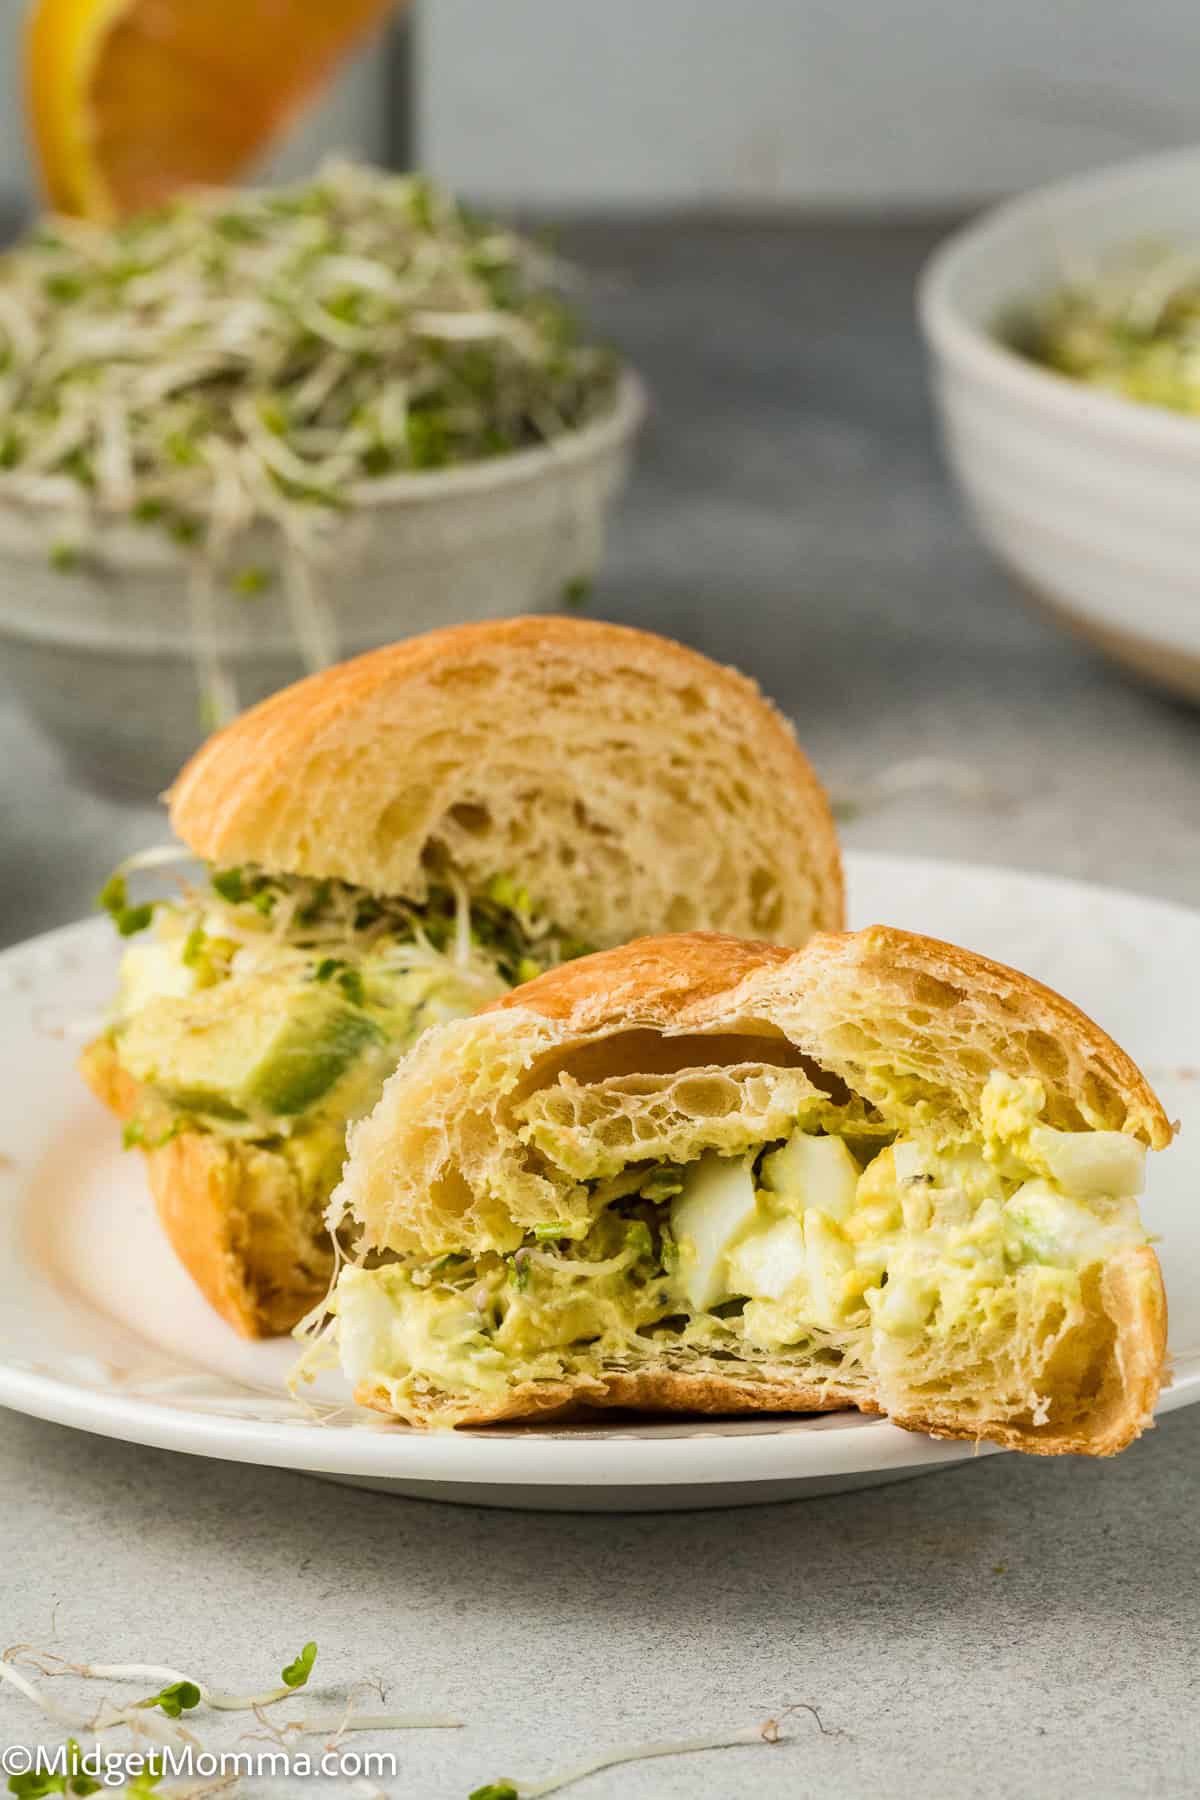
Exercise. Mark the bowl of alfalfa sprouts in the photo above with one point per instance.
(257, 431)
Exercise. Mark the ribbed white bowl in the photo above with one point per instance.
(1092, 501)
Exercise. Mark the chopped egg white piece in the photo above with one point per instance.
(716, 1207)
(903, 1305)
(812, 1172)
(1061, 1230)
(149, 971)
(910, 1160)
(382, 1324)
(1095, 1165)
(769, 1261)
(366, 1322)
(807, 1261)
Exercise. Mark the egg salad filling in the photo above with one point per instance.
(835, 1246)
(1128, 325)
(272, 1008)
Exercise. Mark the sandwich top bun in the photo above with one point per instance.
(908, 1022)
(628, 784)
(498, 1128)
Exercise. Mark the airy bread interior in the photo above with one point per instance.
(631, 785)
(512, 1123)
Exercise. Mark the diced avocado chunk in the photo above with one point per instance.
(305, 1060)
(275, 1049)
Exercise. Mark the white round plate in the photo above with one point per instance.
(100, 1328)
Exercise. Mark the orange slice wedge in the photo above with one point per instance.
(132, 100)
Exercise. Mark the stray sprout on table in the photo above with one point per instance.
(182, 1693)
(178, 1698)
(299, 1669)
(756, 1734)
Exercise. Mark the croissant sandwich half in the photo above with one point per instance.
(698, 1174)
(395, 842)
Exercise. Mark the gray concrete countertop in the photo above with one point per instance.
(1011, 1627)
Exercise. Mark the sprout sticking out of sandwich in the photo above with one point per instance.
(394, 843)
(697, 1174)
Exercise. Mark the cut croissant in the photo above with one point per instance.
(706, 1175)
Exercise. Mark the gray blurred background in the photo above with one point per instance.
(561, 104)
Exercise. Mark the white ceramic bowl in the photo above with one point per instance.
(101, 655)
(1091, 500)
